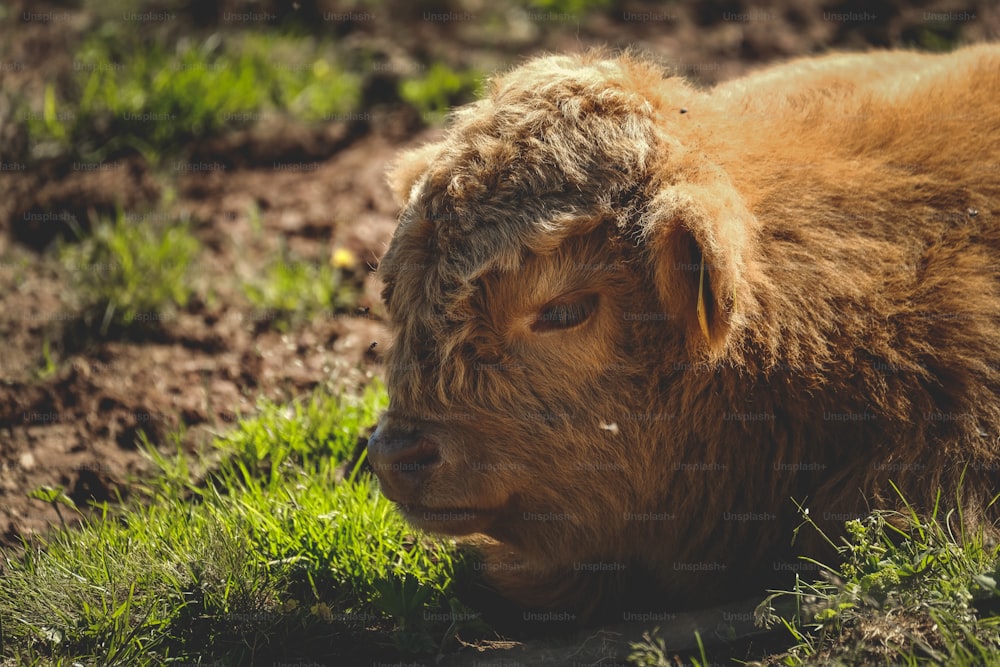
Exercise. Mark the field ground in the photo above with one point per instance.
(257, 197)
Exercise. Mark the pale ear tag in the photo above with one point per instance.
(702, 314)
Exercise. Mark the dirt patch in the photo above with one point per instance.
(76, 425)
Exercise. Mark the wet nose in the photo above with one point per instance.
(402, 460)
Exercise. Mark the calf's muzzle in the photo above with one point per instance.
(402, 459)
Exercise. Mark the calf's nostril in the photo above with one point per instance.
(417, 458)
(402, 463)
(392, 454)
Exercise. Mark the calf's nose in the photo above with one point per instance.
(402, 460)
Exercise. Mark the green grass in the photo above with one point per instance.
(652, 651)
(908, 591)
(575, 7)
(127, 274)
(439, 89)
(291, 291)
(267, 554)
(133, 93)
(155, 94)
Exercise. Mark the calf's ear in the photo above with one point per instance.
(408, 168)
(697, 236)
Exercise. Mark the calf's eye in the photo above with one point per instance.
(565, 312)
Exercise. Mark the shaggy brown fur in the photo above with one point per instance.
(553, 387)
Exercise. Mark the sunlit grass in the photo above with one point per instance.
(573, 7)
(440, 88)
(148, 95)
(290, 291)
(909, 590)
(905, 591)
(267, 554)
(129, 274)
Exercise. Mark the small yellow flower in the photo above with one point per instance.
(342, 258)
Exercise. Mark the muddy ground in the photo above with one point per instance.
(73, 404)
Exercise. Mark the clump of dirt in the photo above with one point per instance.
(59, 200)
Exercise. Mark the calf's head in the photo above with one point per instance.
(557, 254)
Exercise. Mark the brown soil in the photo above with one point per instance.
(201, 368)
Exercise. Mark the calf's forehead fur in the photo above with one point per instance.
(552, 151)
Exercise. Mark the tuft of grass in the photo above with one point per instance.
(128, 274)
(651, 651)
(291, 291)
(55, 496)
(49, 367)
(574, 7)
(439, 89)
(154, 97)
(908, 591)
(267, 555)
